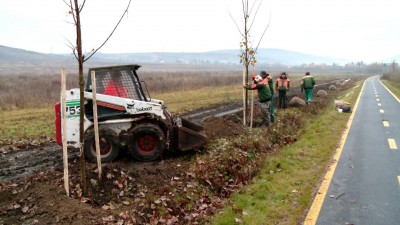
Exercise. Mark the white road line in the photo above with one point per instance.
(385, 123)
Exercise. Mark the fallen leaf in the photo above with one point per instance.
(93, 182)
(203, 206)
(25, 209)
(83, 199)
(126, 202)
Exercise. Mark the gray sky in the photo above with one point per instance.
(352, 29)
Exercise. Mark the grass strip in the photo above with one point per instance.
(283, 190)
(27, 123)
(395, 89)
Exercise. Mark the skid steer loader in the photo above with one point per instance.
(128, 119)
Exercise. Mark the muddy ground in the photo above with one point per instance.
(31, 182)
(31, 186)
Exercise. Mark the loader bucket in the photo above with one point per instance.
(189, 135)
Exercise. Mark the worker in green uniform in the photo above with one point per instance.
(264, 96)
(307, 84)
(267, 80)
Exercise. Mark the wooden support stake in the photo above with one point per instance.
(252, 102)
(96, 124)
(64, 130)
(244, 97)
(252, 109)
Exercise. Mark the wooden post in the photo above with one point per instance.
(252, 102)
(64, 131)
(96, 124)
(244, 97)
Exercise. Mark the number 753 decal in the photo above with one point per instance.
(73, 111)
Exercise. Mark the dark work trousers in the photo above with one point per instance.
(282, 99)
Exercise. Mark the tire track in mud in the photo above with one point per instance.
(25, 162)
(18, 163)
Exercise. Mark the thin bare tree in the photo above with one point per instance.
(248, 52)
(75, 10)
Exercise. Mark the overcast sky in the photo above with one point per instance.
(366, 30)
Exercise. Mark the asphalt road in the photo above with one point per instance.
(365, 186)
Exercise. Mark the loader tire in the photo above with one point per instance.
(109, 148)
(147, 142)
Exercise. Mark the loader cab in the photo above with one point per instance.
(120, 81)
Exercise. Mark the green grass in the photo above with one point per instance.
(393, 87)
(283, 190)
(26, 123)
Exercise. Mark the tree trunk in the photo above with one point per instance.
(82, 99)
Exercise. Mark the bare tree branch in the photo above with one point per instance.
(81, 7)
(234, 21)
(255, 15)
(244, 13)
(70, 6)
(269, 22)
(73, 48)
(126, 11)
(252, 7)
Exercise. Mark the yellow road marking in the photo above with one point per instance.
(377, 99)
(315, 208)
(398, 178)
(385, 123)
(381, 111)
(392, 144)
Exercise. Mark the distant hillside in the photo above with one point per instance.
(13, 60)
(264, 56)
(17, 61)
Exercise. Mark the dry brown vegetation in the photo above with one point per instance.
(393, 74)
(33, 91)
(37, 91)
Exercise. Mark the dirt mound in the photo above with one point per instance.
(224, 127)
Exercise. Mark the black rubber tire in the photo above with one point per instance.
(147, 142)
(109, 147)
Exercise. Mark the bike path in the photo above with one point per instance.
(365, 186)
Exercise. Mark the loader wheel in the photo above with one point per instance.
(109, 148)
(147, 142)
